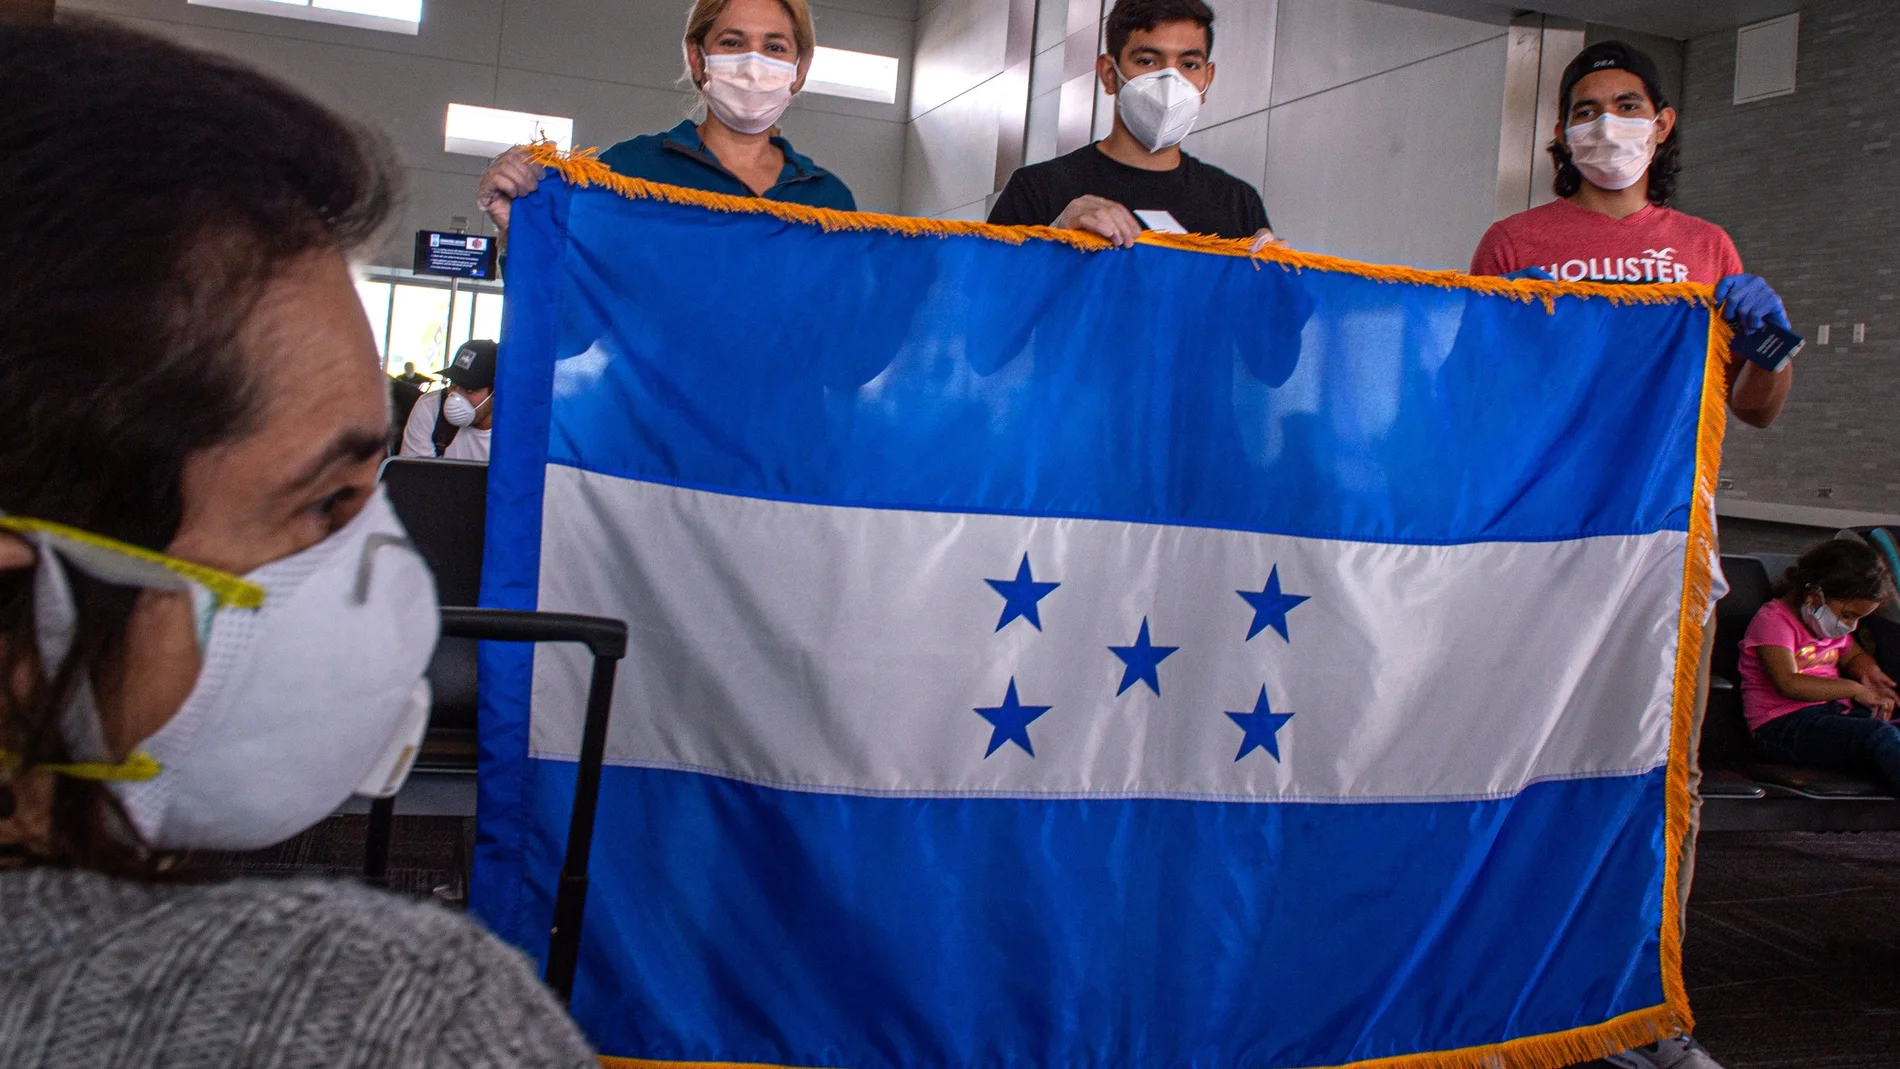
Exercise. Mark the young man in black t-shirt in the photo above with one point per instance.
(1137, 178)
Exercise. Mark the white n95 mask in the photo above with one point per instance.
(1159, 108)
(1612, 152)
(458, 410)
(311, 687)
(748, 92)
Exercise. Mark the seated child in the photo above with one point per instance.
(1811, 695)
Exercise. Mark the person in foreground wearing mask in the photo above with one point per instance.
(1137, 178)
(1617, 156)
(454, 422)
(747, 58)
(213, 628)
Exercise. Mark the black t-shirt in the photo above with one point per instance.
(1201, 197)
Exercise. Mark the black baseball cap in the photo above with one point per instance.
(473, 367)
(1614, 56)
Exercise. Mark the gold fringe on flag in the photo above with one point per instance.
(582, 169)
(1556, 1050)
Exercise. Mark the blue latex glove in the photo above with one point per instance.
(1537, 273)
(1748, 301)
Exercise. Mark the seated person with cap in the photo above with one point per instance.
(454, 422)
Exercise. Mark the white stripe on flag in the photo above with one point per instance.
(849, 650)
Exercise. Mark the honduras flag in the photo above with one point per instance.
(1046, 656)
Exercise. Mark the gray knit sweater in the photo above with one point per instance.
(100, 973)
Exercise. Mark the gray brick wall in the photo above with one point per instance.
(1806, 185)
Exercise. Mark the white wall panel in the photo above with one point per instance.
(905, 10)
(406, 97)
(843, 27)
(974, 212)
(459, 29)
(1039, 137)
(859, 151)
(1382, 170)
(603, 112)
(430, 201)
(950, 152)
(632, 43)
(1238, 147)
(1327, 43)
(1244, 33)
(960, 44)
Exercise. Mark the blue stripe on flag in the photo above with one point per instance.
(964, 374)
(511, 572)
(736, 923)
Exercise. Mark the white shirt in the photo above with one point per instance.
(417, 440)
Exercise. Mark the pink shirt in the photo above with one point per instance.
(1775, 624)
(1576, 244)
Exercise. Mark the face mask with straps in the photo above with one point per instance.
(310, 687)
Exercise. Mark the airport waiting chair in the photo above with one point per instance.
(444, 506)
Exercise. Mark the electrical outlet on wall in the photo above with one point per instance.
(1860, 333)
(1821, 333)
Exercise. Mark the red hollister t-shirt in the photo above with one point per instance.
(1578, 245)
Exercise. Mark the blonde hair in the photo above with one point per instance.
(701, 16)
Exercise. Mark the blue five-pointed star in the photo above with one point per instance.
(1141, 660)
(1010, 721)
(1270, 606)
(1020, 596)
(1262, 726)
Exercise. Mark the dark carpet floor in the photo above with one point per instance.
(1793, 958)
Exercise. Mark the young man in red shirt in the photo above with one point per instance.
(1617, 158)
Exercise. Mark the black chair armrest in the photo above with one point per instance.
(607, 640)
(602, 637)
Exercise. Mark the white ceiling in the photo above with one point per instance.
(1668, 18)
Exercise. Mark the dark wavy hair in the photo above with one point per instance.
(1841, 570)
(155, 192)
(1663, 168)
(1132, 15)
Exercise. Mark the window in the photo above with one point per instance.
(488, 316)
(418, 329)
(859, 75)
(390, 16)
(375, 296)
(413, 323)
(476, 131)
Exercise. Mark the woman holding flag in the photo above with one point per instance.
(747, 58)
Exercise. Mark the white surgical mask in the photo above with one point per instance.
(1612, 152)
(1823, 622)
(458, 410)
(314, 695)
(1159, 108)
(748, 92)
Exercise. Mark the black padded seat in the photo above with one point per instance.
(1819, 783)
(1727, 783)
